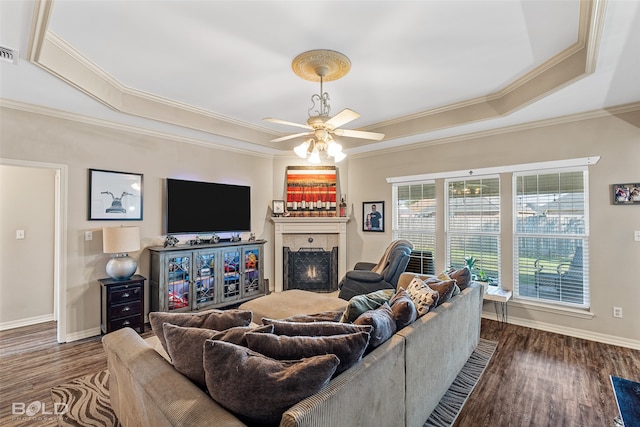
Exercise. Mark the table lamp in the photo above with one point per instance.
(119, 241)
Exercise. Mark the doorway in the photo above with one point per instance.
(59, 238)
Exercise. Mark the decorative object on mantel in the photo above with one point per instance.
(323, 65)
(119, 241)
(373, 216)
(626, 194)
(343, 205)
(278, 207)
(311, 191)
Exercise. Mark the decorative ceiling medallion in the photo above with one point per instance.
(329, 64)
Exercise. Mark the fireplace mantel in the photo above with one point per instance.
(286, 226)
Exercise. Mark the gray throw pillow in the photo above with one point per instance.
(281, 327)
(238, 334)
(403, 309)
(462, 277)
(210, 319)
(384, 325)
(348, 347)
(185, 346)
(323, 316)
(258, 389)
(444, 289)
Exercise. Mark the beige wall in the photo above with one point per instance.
(26, 266)
(38, 138)
(614, 254)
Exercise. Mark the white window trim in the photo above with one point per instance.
(538, 166)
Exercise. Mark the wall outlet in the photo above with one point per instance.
(636, 235)
(617, 312)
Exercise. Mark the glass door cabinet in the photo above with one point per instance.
(205, 276)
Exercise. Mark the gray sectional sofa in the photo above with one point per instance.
(399, 383)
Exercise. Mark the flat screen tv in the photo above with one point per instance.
(207, 207)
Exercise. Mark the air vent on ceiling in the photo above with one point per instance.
(9, 54)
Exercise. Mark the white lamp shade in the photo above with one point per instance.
(339, 156)
(120, 240)
(333, 148)
(314, 157)
(301, 150)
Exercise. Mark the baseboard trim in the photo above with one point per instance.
(26, 322)
(80, 335)
(571, 332)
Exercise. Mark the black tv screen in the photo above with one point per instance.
(207, 207)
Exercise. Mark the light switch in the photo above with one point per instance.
(88, 235)
(19, 234)
(636, 235)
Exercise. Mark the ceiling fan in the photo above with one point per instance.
(323, 65)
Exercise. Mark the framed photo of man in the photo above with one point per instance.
(373, 216)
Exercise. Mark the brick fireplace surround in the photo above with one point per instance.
(296, 233)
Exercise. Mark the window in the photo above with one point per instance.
(415, 220)
(473, 225)
(551, 237)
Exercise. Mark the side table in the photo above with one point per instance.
(500, 297)
(122, 303)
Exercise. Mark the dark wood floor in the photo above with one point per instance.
(534, 379)
(538, 378)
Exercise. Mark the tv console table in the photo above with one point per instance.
(212, 275)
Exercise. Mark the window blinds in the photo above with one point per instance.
(415, 220)
(551, 237)
(473, 225)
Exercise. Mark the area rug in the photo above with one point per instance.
(627, 394)
(87, 398)
(87, 401)
(445, 414)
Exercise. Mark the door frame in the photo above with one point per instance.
(60, 240)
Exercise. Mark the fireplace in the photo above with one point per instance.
(310, 269)
(308, 232)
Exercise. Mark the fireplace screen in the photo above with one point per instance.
(312, 269)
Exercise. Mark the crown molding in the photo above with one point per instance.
(589, 115)
(247, 149)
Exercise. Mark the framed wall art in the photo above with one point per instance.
(373, 216)
(626, 194)
(114, 195)
(311, 191)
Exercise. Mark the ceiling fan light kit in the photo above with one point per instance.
(322, 65)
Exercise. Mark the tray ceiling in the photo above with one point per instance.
(421, 71)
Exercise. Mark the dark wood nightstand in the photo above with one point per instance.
(122, 303)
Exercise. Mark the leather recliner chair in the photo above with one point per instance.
(369, 277)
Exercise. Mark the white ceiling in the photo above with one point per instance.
(421, 70)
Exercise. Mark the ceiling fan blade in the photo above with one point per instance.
(343, 117)
(359, 134)
(284, 122)
(295, 135)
